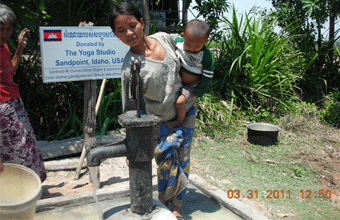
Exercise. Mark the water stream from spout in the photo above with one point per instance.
(94, 177)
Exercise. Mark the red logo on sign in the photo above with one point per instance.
(52, 35)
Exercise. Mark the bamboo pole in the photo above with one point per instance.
(84, 151)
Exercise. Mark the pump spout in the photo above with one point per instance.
(96, 155)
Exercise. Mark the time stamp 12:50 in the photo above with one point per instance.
(279, 194)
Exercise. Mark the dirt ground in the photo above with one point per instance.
(329, 164)
(114, 171)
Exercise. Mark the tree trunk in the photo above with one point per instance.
(89, 124)
(89, 118)
(184, 12)
(146, 17)
(331, 33)
(319, 37)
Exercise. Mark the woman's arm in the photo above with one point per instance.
(1, 167)
(22, 41)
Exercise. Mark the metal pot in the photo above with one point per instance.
(262, 134)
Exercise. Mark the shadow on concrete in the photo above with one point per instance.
(107, 214)
(80, 185)
(46, 194)
(196, 201)
(115, 179)
(82, 173)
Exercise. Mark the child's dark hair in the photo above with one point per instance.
(197, 28)
(123, 8)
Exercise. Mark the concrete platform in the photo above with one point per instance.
(203, 201)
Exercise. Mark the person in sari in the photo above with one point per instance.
(17, 139)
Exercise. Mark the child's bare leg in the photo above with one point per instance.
(180, 107)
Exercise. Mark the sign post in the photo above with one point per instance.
(86, 54)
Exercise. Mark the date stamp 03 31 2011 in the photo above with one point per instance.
(279, 194)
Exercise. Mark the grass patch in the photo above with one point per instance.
(307, 151)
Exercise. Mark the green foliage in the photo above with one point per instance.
(71, 12)
(153, 27)
(56, 109)
(309, 17)
(110, 108)
(291, 12)
(35, 13)
(214, 113)
(49, 105)
(330, 113)
(71, 127)
(256, 68)
(321, 75)
(305, 109)
(30, 14)
(256, 74)
(299, 172)
(317, 9)
(212, 10)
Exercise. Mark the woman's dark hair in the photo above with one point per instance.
(123, 8)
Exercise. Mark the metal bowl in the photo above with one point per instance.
(262, 134)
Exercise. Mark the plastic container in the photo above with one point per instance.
(20, 189)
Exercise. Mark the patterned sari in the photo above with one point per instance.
(17, 140)
(172, 156)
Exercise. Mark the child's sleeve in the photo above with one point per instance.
(179, 40)
(207, 74)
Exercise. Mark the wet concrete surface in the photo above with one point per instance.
(197, 206)
(203, 201)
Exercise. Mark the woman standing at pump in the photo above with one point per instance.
(160, 83)
(17, 140)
